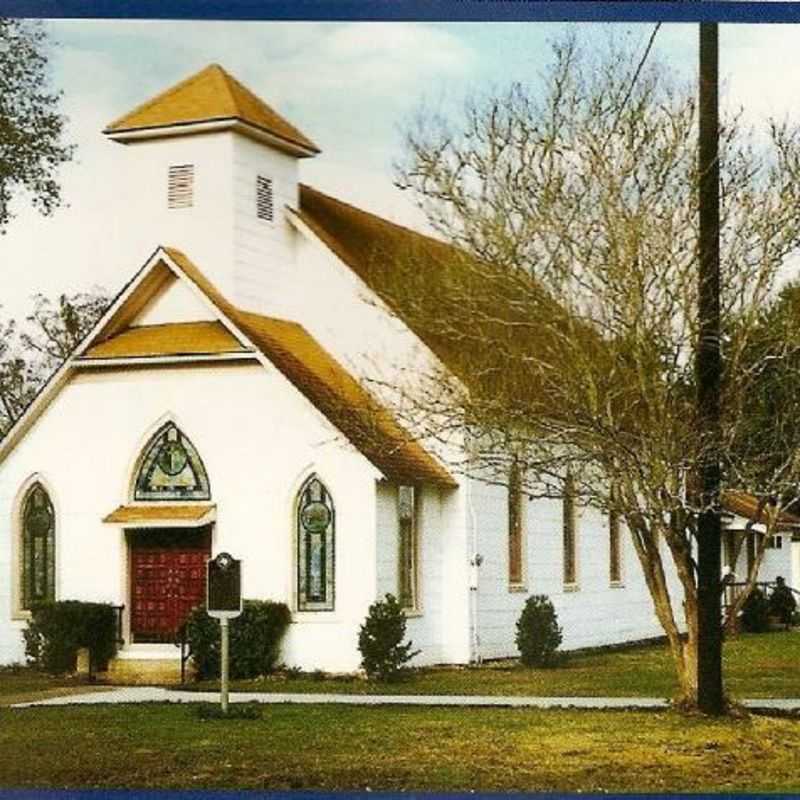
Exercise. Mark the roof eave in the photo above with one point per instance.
(141, 133)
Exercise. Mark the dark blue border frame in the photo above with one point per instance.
(408, 10)
(728, 11)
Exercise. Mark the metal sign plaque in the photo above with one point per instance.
(224, 586)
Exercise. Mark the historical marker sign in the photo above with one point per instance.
(224, 586)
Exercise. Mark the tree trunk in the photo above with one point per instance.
(683, 649)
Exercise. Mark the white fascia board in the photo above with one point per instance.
(87, 363)
(736, 524)
(118, 303)
(211, 126)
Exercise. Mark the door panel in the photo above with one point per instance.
(168, 579)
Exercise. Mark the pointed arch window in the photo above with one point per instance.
(315, 547)
(38, 548)
(171, 469)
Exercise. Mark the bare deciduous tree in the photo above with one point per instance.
(28, 357)
(566, 307)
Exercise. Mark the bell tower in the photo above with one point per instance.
(211, 170)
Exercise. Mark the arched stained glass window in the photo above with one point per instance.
(171, 469)
(315, 547)
(38, 548)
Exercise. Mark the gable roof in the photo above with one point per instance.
(354, 411)
(433, 287)
(211, 95)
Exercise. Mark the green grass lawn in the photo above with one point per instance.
(756, 665)
(20, 684)
(322, 747)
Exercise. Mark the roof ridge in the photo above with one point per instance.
(227, 80)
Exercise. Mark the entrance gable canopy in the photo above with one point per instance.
(162, 515)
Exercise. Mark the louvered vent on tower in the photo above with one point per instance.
(180, 188)
(264, 201)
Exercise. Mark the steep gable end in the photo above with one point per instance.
(368, 426)
(174, 302)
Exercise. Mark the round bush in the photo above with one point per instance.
(57, 630)
(782, 603)
(754, 616)
(538, 632)
(379, 640)
(255, 638)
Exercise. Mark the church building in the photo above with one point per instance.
(226, 401)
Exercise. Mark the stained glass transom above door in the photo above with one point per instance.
(171, 469)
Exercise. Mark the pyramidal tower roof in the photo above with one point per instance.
(211, 99)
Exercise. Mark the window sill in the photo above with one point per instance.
(516, 588)
(21, 616)
(616, 585)
(412, 613)
(572, 587)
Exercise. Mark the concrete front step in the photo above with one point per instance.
(145, 671)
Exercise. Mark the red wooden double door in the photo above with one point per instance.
(168, 579)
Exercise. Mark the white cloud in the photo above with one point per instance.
(759, 65)
(345, 85)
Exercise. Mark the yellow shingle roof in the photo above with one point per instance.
(160, 512)
(179, 338)
(746, 505)
(210, 95)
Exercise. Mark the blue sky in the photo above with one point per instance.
(351, 87)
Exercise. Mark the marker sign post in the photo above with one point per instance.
(224, 602)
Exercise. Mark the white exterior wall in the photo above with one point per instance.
(263, 252)
(205, 230)
(332, 302)
(594, 614)
(258, 438)
(249, 260)
(431, 629)
(776, 561)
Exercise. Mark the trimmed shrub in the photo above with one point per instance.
(538, 632)
(782, 603)
(56, 631)
(255, 638)
(754, 616)
(379, 640)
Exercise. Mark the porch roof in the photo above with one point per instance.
(743, 504)
(162, 515)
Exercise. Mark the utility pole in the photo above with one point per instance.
(710, 698)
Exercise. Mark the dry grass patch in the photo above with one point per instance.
(442, 749)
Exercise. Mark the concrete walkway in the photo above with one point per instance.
(150, 694)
